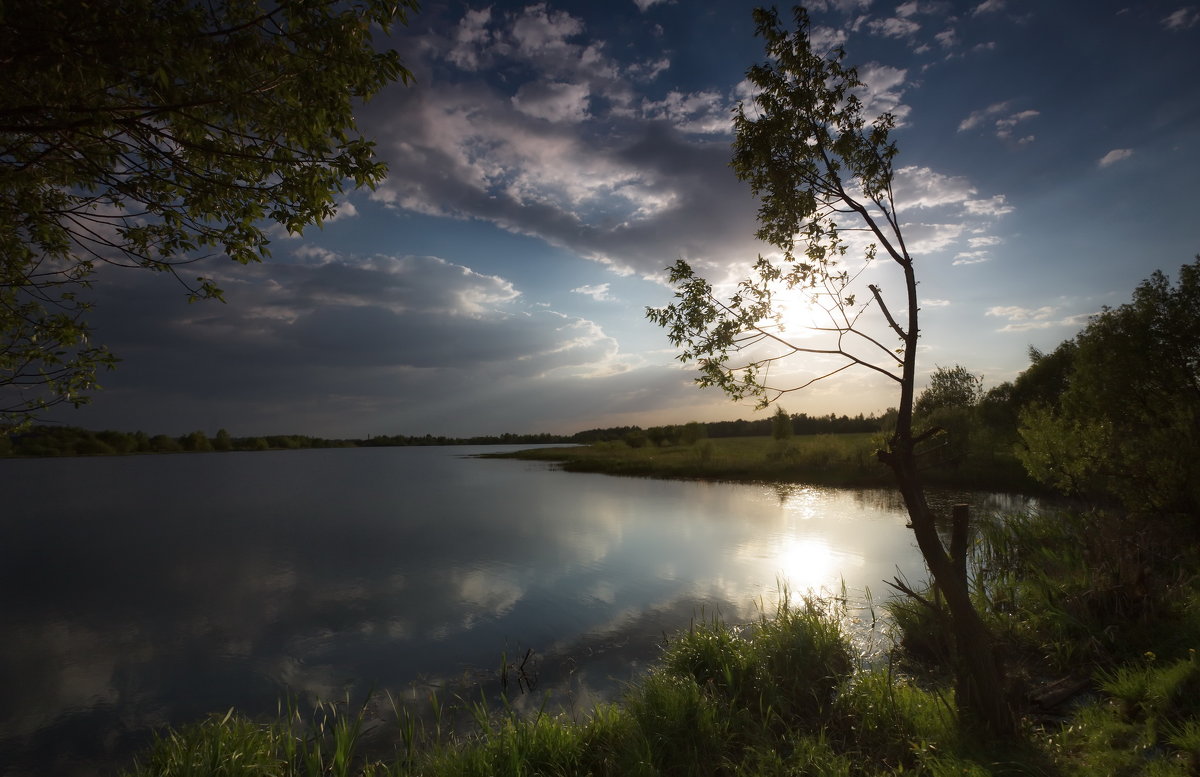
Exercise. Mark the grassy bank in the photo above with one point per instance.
(829, 459)
(780, 697)
(1095, 604)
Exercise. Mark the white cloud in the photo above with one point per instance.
(845, 6)
(970, 257)
(981, 242)
(882, 91)
(928, 238)
(470, 37)
(1183, 19)
(554, 101)
(826, 39)
(1022, 319)
(993, 206)
(988, 6)
(921, 187)
(935, 303)
(644, 5)
(598, 292)
(1004, 125)
(947, 38)
(895, 27)
(707, 112)
(978, 117)
(1114, 156)
(539, 30)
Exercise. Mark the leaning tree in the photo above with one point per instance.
(823, 172)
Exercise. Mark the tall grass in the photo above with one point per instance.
(782, 696)
(825, 459)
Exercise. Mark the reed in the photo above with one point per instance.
(846, 460)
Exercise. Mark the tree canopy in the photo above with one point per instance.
(1126, 423)
(153, 133)
(821, 166)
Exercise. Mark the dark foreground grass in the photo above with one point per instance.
(780, 697)
(1112, 604)
(845, 460)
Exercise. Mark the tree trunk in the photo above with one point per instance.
(981, 692)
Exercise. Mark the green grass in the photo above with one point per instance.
(846, 460)
(779, 697)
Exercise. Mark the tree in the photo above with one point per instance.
(820, 167)
(781, 424)
(949, 387)
(1126, 424)
(150, 133)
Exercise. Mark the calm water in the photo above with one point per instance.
(141, 591)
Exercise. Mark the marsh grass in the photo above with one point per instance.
(782, 696)
(846, 460)
(1075, 588)
(325, 742)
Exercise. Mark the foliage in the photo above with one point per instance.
(781, 424)
(821, 166)
(808, 151)
(1072, 587)
(949, 387)
(1127, 425)
(150, 133)
(326, 743)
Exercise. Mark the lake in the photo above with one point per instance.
(150, 590)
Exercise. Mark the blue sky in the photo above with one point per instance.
(553, 158)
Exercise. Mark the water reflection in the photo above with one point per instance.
(157, 589)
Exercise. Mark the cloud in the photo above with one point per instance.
(1003, 124)
(922, 187)
(970, 257)
(988, 6)
(978, 117)
(345, 344)
(935, 303)
(1022, 319)
(598, 292)
(993, 206)
(470, 38)
(705, 112)
(883, 91)
(1114, 156)
(1183, 19)
(645, 5)
(947, 38)
(565, 150)
(895, 27)
(826, 39)
(553, 101)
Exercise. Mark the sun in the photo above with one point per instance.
(805, 563)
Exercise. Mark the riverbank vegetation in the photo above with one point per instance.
(844, 460)
(50, 441)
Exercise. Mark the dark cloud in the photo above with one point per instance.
(388, 344)
(559, 149)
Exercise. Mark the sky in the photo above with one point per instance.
(553, 158)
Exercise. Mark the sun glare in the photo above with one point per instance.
(805, 564)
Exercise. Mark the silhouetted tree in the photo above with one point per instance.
(815, 160)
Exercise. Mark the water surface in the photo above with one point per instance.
(151, 590)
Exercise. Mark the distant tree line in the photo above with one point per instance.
(73, 441)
